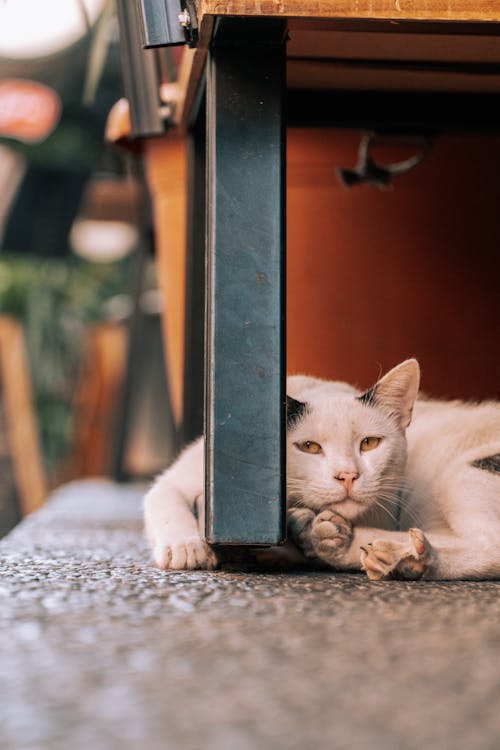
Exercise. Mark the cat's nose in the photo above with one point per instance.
(348, 478)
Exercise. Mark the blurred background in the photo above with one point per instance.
(77, 281)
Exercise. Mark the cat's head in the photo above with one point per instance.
(345, 447)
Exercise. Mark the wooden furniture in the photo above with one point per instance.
(365, 45)
(393, 67)
(19, 438)
(96, 400)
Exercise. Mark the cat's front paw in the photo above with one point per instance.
(325, 535)
(331, 537)
(191, 553)
(385, 560)
(299, 521)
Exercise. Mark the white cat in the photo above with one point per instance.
(363, 485)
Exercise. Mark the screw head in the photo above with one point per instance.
(184, 18)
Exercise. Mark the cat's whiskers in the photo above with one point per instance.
(386, 494)
(400, 506)
(308, 485)
(386, 510)
(394, 482)
(309, 491)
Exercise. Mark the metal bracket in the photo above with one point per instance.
(140, 74)
(167, 23)
(380, 175)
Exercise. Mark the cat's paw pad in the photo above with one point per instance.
(331, 536)
(385, 560)
(191, 553)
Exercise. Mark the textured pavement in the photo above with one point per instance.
(101, 651)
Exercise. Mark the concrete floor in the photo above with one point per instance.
(101, 651)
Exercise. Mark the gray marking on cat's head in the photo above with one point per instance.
(490, 463)
(295, 411)
(368, 398)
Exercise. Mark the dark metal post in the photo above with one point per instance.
(245, 412)
(192, 423)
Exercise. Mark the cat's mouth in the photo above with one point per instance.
(349, 499)
(349, 507)
(343, 504)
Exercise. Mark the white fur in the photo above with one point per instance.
(454, 503)
(169, 513)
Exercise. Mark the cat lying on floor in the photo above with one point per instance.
(369, 487)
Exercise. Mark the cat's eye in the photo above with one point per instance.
(309, 446)
(369, 443)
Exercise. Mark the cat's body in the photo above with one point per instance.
(352, 492)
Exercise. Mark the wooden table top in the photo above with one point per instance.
(367, 44)
(396, 10)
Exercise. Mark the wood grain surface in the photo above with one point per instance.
(398, 10)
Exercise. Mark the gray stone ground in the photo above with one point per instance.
(100, 651)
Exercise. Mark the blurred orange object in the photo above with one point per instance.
(29, 111)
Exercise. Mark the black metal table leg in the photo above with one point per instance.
(245, 409)
(192, 423)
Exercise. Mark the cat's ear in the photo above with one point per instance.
(295, 410)
(396, 391)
